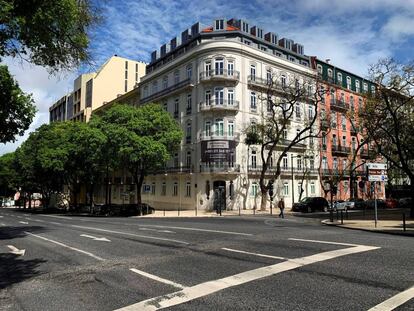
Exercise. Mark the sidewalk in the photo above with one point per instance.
(383, 226)
(202, 213)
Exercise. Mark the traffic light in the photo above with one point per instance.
(270, 186)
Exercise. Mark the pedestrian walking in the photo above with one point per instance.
(281, 206)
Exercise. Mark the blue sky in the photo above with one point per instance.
(352, 33)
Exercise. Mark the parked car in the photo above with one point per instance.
(340, 205)
(370, 204)
(311, 204)
(391, 203)
(355, 203)
(405, 202)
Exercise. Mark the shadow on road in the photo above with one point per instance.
(8, 232)
(14, 269)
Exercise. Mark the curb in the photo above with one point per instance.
(327, 222)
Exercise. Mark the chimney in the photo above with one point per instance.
(328, 60)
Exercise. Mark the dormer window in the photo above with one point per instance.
(330, 73)
(339, 77)
(320, 69)
(219, 24)
(348, 82)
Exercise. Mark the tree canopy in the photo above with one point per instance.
(16, 108)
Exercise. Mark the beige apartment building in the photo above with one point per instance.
(115, 77)
(211, 80)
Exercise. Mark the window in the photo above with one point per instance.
(253, 72)
(352, 103)
(254, 189)
(165, 82)
(269, 76)
(285, 189)
(297, 111)
(335, 164)
(311, 163)
(344, 164)
(219, 66)
(230, 128)
(219, 95)
(285, 134)
(339, 77)
(176, 107)
(253, 100)
(373, 89)
(188, 189)
(310, 112)
(324, 139)
(145, 91)
(330, 73)
(189, 102)
(357, 86)
(207, 97)
(353, 144)
(207, 68)
(154, 87)
(126, 65)
(343, 121)
(324, 163)
(176, 163)
(320, 69)
(253, 159)
(334, 141)
(126, 86)
(164, 188)
(342, 98)
(188, 159)
(283, 80)
(230, 97)
(365, 87)
(322, 94)
(188, 134)
(230, 68)
(359, 104)
(344, 141)
(176, 77)
(333, 120)
(219, 127)
(175, 189)
(332, 97)
(299, 162)
(208, 128)
(165, 106)
(219, 25)
(189, 71)
(285, 162)
(136, 73)
(348, 82)
(312, 187)
(346, 187)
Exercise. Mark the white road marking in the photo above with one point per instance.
(395, 301)
(157, 278)
(95, 238)
(131, 234)
(66, 246)
(197, 229)
(2, 224)
(16, 251)
(26, 214)
(323, 242)
(1, 216)
(19, 216)
(24, 222)
(207, 288)
(54, 222)
(255, 254)
(156, 230)
(62, 217)
(38, 220)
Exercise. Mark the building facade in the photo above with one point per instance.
(115, 77)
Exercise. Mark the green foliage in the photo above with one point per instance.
(7, 175)
(16, 108)
(50, 33)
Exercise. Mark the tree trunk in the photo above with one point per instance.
(412, 198)
(139, 180)
(30, 201)
(263, 202)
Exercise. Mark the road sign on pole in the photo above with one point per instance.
(377, 172)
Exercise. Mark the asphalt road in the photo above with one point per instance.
(229, 263)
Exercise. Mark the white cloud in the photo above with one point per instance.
(399, 27)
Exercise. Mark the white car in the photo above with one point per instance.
(340, 206)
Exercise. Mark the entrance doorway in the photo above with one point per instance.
(219, 189)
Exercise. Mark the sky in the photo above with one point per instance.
(352, 33)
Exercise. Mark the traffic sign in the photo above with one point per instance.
(377, 172)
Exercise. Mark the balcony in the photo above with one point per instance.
(257, 169)
(219, 167)
(255, 82)
(174, 170)
(220, 75)
(219, 105)
(173, 89)
(340, 150)
(340, 106)
(220, 136)
(324, 124)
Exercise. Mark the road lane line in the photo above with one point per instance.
(198, 229)
(103, 239)
(323, 242)
(24, 222)
(38, 220)
(157, 278)
(210, 287)
(66, 246)
(255, 254)
(54, 216)
(156, 230)
(395, 301)
(132, 234)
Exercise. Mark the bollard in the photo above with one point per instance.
(342, 217)
(404, 228)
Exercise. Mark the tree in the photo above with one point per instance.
(51, 33)
(285, 99)
(145, 138)
(7, 175)
(16, 108)
(389, 115)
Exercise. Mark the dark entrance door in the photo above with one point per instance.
(219, 188)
